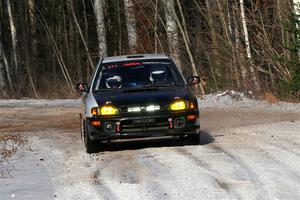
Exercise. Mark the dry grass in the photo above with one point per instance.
(269, 97)
(9, 145)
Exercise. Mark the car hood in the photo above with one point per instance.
(158, 96)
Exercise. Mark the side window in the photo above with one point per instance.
(97, 81)
(95, 72)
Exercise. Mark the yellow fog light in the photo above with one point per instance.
(108, 110)
(178, 105)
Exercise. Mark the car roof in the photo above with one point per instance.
(134, 57)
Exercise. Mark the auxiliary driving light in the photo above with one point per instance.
(108, 110)
(152, 108)
(96, 123)
(178, 105)
(191, 117)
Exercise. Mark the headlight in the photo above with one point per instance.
(178, 105)
(108, 110)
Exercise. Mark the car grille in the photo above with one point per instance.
(124, 109)
(144, 125)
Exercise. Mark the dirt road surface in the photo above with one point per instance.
(245, 152)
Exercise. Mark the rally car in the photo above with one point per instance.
(137, 96)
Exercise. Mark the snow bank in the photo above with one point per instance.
(219, 100)
(64, 103)
(233, 99)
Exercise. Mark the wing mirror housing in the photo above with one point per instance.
(194, 80)
(82, 87)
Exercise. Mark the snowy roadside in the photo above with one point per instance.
(228, 99)
(232, 99)
(22, 173)
(45, 103)
(9, 145)
(255, 159)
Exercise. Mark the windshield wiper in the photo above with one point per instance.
(155, 86)
(145, 87)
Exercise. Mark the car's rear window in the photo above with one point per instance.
(135, 74)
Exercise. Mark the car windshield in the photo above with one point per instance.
(137, 74)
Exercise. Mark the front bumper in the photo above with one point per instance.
(146, 125)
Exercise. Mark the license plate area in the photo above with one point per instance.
(143, 121)
(144, 125)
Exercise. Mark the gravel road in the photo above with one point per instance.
(246, 152)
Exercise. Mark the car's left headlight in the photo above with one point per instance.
(108, 110)
(178, 105)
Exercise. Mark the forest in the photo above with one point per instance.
(47, 46)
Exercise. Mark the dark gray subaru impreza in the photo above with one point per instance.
(137, 96)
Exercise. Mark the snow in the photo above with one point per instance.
(64, 103)
(232, 99)
(29, 179)
(259, 161)
(217, 100)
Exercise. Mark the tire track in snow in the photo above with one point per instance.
(261, 193)
(184, 177)
(153, 169)
(289, 151)
(213, 174)
(96, 174)
(125, 169)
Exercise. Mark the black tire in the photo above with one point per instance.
(90, 145)
(82, 129)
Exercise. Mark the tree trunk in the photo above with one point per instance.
(240, 57)
(172, 31)
(81, 35)
(188, 49)
(155, 26)
(297, 14)
(26, 48)
(100, 25)
(3, 85)
(248, 48)
(215, 54)
(2, 71)
(31, 10)
(184, 24)
(131, 25)
(119, 28)
(13, 32)
(86, 36)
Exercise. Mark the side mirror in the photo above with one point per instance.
(81, 87)
(194, 80)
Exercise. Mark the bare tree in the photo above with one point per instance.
(131, 25)
(2, 71)
(5, 77)
(13, 32)
(248, 47)
(297, 14)
(31, 9)
(215, 54)
(81, 35)
(172, 30)
(100, 24)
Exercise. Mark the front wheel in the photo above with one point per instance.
(89, 144)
